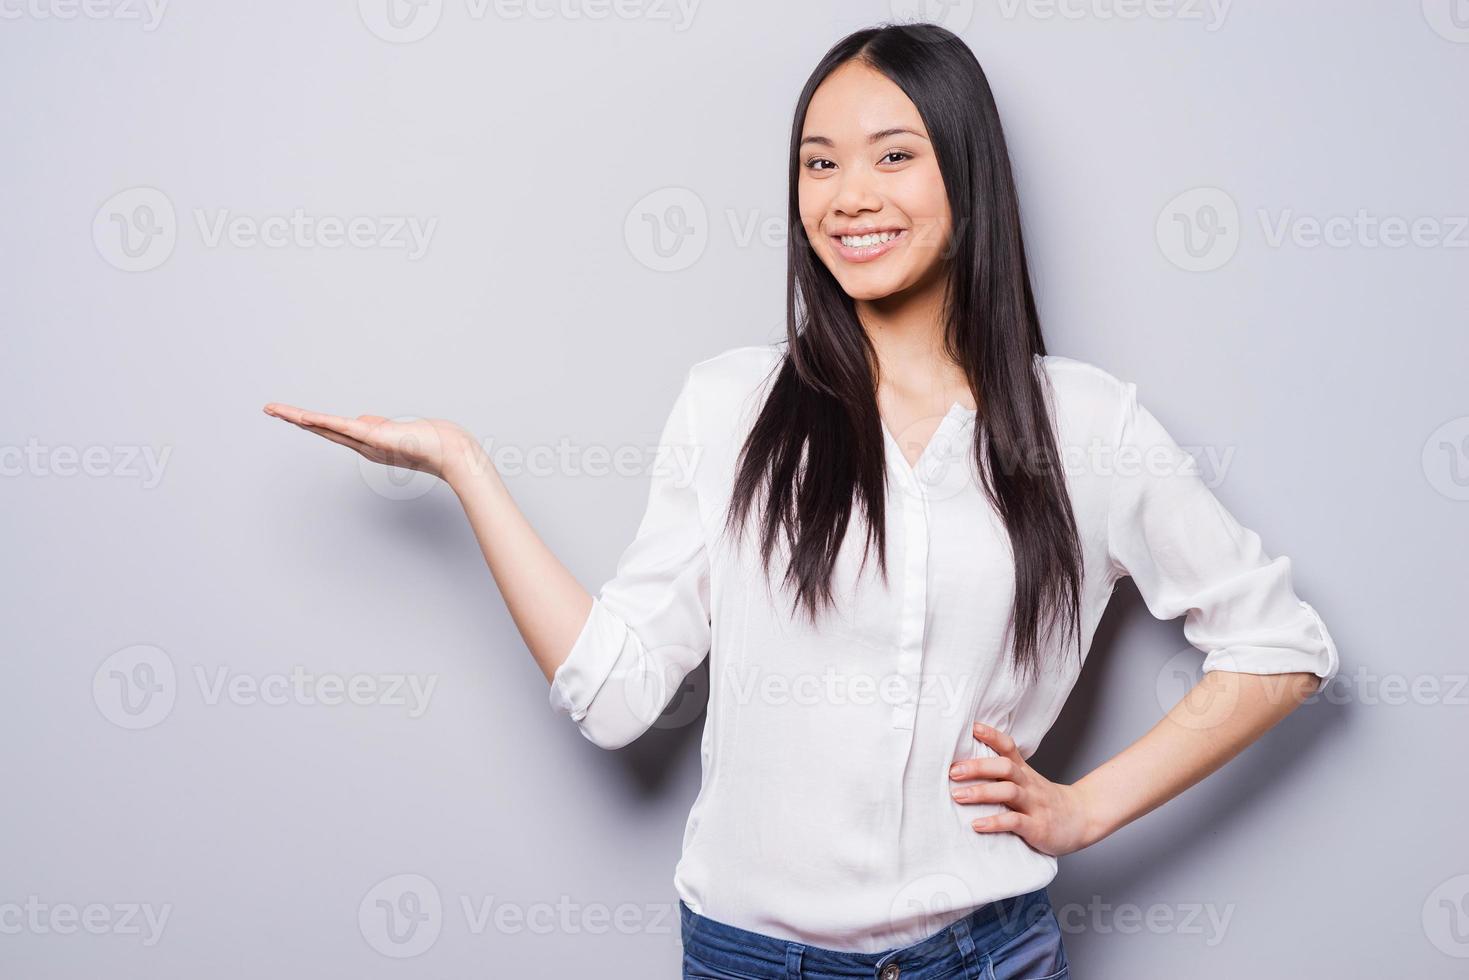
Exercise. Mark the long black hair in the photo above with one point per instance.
(817, 446)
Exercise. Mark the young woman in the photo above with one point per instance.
(866, 807)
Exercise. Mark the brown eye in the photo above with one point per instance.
(811, 164)
(899, 153)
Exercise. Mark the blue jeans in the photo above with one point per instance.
(1015, 938)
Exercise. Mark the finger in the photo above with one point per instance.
(340, 439)
(288, 413)
(348, 427)
(998, 792)
(1007, 822)
(371, 419)
(990, 767)
(997, 740)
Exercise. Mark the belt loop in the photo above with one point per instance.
(965, 941)
(793, 960)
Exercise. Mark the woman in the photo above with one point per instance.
(866, 807)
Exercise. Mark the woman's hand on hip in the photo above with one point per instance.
(1050, 817)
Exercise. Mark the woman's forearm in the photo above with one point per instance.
(1219, 716)
(547, 603)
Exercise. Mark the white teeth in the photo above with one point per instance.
(865, 241)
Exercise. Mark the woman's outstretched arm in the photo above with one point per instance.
(549, 606)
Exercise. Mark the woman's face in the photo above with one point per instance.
(851, 184)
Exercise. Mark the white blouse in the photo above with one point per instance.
(824, 815)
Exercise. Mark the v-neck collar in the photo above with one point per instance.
(957, 413)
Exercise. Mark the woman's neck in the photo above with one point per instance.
(907, 331)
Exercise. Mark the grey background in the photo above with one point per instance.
(1331, 377)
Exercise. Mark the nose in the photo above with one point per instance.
(855, 193)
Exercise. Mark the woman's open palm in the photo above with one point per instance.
(428, 445)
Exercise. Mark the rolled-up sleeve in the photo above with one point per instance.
(649, 625)
(1190, 557)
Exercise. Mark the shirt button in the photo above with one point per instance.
(889, 972)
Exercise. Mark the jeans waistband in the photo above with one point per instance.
(959, 944)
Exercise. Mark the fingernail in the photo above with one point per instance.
(957, 793)
(955, 772)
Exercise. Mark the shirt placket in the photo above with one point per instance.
(915, 517)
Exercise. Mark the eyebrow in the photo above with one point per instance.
(881, 134)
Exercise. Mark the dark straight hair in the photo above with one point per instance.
(816, 449)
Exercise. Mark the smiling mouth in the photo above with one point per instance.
(869, 245)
